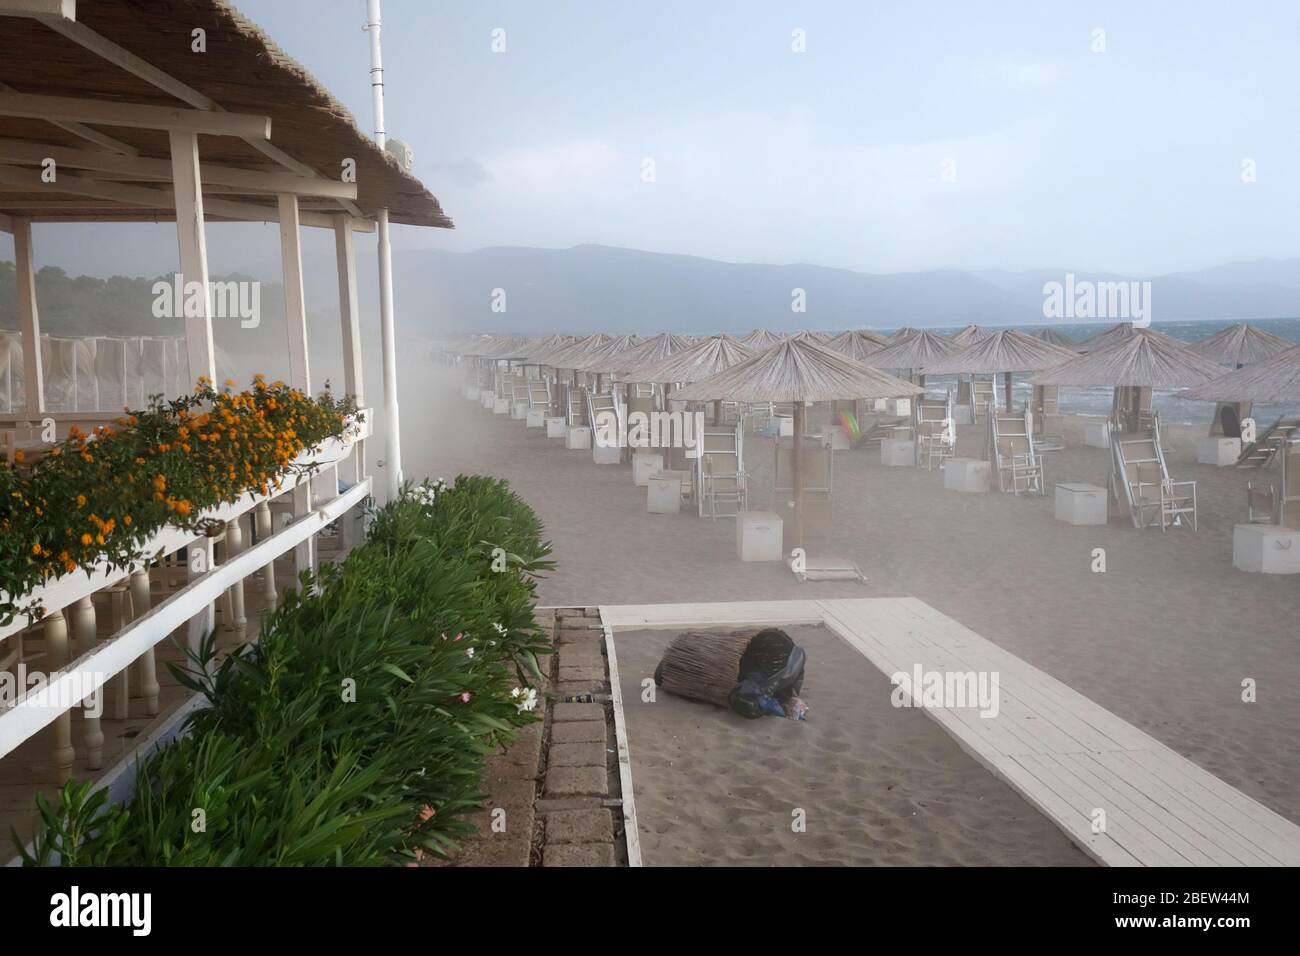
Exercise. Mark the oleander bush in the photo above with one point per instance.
(353, 731)
(99, 497)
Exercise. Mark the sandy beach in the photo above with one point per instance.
(876, 785)
(1164, 638)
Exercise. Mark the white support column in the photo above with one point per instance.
(191, 238)
(388, 344)
(350, 313)
(29, 319)
(295, 316)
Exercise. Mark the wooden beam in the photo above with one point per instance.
(270, 180)
(146, 196)
(88, 134)
(6, 223)
(29, 319)
(135, 115)
(47, 11)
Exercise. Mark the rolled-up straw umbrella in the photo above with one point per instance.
(798, 371)
(1006, 351)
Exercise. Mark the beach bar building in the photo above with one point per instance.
(177, 111)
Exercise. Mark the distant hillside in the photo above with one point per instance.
(625, 290)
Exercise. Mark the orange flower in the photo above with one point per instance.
(87, 540)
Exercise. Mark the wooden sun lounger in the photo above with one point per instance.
(1140, 479)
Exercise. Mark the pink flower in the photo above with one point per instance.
(426, 813)
(459, 636)
(465, 696)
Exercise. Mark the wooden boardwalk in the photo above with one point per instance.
(1062, 752)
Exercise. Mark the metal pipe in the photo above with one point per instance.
(388, 345)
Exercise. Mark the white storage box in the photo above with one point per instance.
(519, 411)
(606, 454)
(758, 536)
(785, 426)
(899, 406)
(967, 474)
(835, 439)
(578, 438)
(1078, 503)
(1218, 451)
(898, 452)
(556, 427)
(1097, 434)
(663, 494)
(535, 418)
(645, 465)
(501, 406)
(1266, 549)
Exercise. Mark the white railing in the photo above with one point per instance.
(35, 709)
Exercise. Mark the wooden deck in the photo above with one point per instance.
(1062, 752)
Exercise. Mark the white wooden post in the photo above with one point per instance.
(83, 639)
(295, 315)
(29, 320)
(147, 665)
(57, 656)
(192, 240)
(349, 313)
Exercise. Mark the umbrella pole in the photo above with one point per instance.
(797, 473)
(1007, 387)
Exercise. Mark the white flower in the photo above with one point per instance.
(500, 630)
(469, 651)
(525, 698)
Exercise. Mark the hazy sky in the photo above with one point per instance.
(1128, 160)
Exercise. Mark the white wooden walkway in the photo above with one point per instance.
(1065, 754)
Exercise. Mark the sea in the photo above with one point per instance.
(1171, 409)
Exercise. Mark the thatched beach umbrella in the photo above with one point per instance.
(693, 363)
(1120, 332)
(922, 349)
(1146, 359)
(969, 335)
(857, 344)
(797, 371)
(1006, 351)
(651, 350)
(906, 332)
(1273, 381)
(1056, 338)
(1240, 344)
(760, 339)
(566, 356)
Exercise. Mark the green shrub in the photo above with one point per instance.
(353, 732)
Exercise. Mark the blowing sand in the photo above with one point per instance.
(877, 785)
(1163, 639)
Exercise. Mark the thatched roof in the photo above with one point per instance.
(1005, 351)
(760, 339)
(921, 349)
(1056, 338)
(598, 358)
(693, 363)
(1240, 345)
(485, 346)
(811, 335)
(1145, 358)
(243, 71)
(906, 332)
(797, 370)
(651, 350)
(857, 344)
(1120, 332)
(1274, 380)
(563, 356)
(969, 335)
